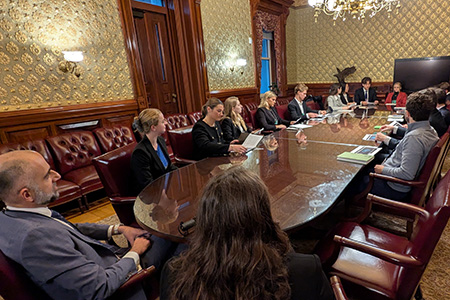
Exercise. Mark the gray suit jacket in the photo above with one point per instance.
(66, 263)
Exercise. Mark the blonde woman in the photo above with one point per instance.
(233, 124)
(150, 158)
(267, 117)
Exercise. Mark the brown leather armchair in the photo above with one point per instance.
(182, 146)
(176, 121)
(68, 191)
(381, 263)
(114, 137)
(73, 153)
(249, 117)
(16, 285)
(115, 171)
(195, 116)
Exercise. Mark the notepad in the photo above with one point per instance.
(356, 158)
(252, 141)
(299, 126)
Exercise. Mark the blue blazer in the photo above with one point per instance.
(66, 263)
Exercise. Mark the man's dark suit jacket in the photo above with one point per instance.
(446, 114)
(296, 112)
(146, 165)
(359, 95)
(66, 263)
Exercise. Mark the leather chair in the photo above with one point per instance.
(381, 263)
(283, 112)
(16, 285)
(421, 187)
(251, 108)
(182, 146)
(338, 289)
(313, 105)
(68, 191)
(114, 137)
(73, 152)
(195, 116)
(115, 172)
(176, 121)
(283, 101)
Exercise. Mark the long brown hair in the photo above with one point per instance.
(237, 119)
(237, 251)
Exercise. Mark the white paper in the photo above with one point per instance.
(299, 126)
(252, 141)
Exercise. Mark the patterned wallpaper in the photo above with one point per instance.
(226, 31)
(32, 35)
(314, 50)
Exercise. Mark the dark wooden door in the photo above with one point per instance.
(157, 66)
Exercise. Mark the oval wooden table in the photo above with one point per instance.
(305, 180)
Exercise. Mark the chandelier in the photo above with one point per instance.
(354, 8)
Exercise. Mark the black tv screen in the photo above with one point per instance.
(419, 73)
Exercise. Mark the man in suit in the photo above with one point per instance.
(67, 261)
(298, 109)
(366, 94)
(440, 106)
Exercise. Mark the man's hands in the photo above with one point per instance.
(378, 168)
(380, 137)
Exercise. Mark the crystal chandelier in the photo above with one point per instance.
(354, 8)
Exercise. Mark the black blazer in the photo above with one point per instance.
(446, 114)
(359, 95)
(146, 165)
(266, 118)
(306, 278)
(208, 141)
(437, 121)
(230, 130)
(296, 112)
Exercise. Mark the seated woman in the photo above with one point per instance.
(233, 124)
(207, 134)
(334, 100)
(397, 97)
(267, 117)
(237, 251)
(345, 97)
(150, 158)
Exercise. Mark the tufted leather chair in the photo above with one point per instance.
(68, 191)
(251, 108)
(73, 154)
(16, 285)
(176, 121)
(283, 100)
(283, 112)
(181, 141)
(381, 264)
(115, 172)
(111, 138)
(195, 116)
(312, 104)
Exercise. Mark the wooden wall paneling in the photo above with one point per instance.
(24, 133)
(126, 119)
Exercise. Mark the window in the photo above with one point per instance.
(153, 2)
(266, 61)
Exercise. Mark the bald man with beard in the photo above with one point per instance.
(65, 260)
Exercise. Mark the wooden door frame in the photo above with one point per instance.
(189, 62)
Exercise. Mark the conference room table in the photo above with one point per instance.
(303, 176)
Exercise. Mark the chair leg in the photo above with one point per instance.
(85, 200)
(80, 205)
(418, 295)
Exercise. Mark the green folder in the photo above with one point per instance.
(355, 158)
(377, 127)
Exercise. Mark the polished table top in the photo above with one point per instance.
(304, 178)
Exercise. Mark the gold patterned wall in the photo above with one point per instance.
(32, 35)
(227, 28)
(314, 50)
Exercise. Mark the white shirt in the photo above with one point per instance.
(300, 103)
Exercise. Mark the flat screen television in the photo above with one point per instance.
(419, 73)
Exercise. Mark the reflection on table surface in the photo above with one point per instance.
(304, 178)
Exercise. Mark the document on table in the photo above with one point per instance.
(252, 141)
(299, 126)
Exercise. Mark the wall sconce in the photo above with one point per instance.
(71, 58)
(235, 63)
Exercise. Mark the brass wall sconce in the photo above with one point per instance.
(234, 64)
(71, 58)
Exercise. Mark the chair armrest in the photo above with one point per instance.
(184, 161)
(412, 183)
(136, 279)
(122, 200)
(338, 289)
(399, 206)
(386, 255)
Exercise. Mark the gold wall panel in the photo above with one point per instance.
(314, 50)
(227, 28)
(32, 35)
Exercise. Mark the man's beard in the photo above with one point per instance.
(42, 198)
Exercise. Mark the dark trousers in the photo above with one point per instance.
(160, 251)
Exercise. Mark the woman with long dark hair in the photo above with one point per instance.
(237, 251)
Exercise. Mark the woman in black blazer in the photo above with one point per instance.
(233, 124)
(267, 116)
(150, 158)
(207, 135)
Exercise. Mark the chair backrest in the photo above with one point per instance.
(251, 109)
(114, 137)
(15, 284)
(425, 236)
(283, 112)
(36, 145)
(181, 141)
(195, 116)
(283, 101)
(312, 104)
(74, 150)
(114, 171)
(176, 121)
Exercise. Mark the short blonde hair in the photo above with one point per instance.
(264, 97)
(237, 119)
(300, 88)
(146, 119)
